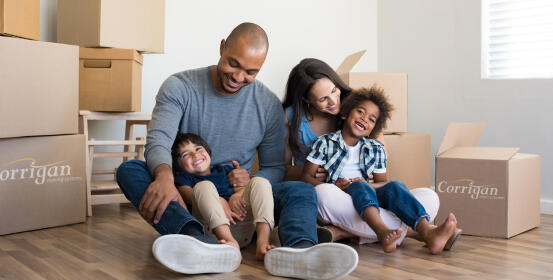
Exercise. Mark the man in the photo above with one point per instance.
(237, 116)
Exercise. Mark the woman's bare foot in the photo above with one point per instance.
(388, 239)
(437, 236)
(262, 248)
(232, 242)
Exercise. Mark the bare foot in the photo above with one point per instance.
(388, 239)
(261, 249)
(233, 243)
(437, 237)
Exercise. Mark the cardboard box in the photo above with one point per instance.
(493, 192)
(110, 80)
(394, 85)
(409, 158)
(126, 24)
(40, 186)
(38, 88)
(20, 18)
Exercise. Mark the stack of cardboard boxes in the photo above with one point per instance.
(43, 85)
(111, 35)
(408, 153)
(42, 174)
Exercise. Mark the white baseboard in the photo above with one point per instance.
(546, 206)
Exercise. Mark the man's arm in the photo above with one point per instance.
(166, 117)
(272, 148)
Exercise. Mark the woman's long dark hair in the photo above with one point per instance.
(302, 77)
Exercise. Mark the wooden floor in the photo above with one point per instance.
(116, 244)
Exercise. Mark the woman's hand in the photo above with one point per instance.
(238, 206)
(343, 183)
(321, 174)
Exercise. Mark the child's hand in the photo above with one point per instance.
(358, 179)
(226, 208)
(371, 178)
(238, 177)
(238, 206)
(343, 183)
(321, 174)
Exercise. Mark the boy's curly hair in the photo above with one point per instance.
(377, 96)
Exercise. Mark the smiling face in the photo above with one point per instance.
(324, 96)
(238, 66)
(194, 159)
(361, 120)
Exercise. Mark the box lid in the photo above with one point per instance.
(485, 153)
(110, 53)
(349, 62)
(460, 135)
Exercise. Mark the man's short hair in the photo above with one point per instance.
(253, 34)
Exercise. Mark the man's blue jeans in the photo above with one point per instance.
(393, 196)
(295, 206)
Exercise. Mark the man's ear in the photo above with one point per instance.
(222, 47)
(343, 117)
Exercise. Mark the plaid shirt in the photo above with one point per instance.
(331, 153)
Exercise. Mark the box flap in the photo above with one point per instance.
(460, 135)
(483, 153)
(349, 62)
(110, 53)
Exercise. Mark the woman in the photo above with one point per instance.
(313, 96)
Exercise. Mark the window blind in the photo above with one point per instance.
(517, 39)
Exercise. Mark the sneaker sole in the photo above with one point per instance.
(187, 255)
(323, 261)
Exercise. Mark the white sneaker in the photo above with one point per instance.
(185, 254)
(323, 261)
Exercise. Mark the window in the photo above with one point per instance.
(517, 39)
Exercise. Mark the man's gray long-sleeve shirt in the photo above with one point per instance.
(233, 126)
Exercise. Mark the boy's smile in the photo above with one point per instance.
(194, 159)
(360, 122)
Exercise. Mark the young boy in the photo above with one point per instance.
(217, 203)
(351, 154)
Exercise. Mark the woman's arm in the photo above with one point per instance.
(309, 173)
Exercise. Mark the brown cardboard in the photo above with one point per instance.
(110, 80)
(39, 88)
(408, 158)
(20, 18)
(493, 191)
(126, 24)
(40, 186)
(394, 85)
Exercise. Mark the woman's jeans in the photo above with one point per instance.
(295, 206)
(393, 196)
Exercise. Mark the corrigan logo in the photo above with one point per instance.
(467, 186)
(40, 174)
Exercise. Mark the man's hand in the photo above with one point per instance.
(343, 183)
(158, 195)
(238, 206)
(239, 177)
(321, 174)
(227, 210)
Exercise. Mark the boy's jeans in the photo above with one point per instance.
(393, 196)
(295, 206)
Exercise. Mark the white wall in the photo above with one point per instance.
(437, 42)
(324, 29)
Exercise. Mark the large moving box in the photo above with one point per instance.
(39, 88)
(42, 182)
(394, 85)
(110, 80)
(409, 158)
(20, 18)
(126, 24)
(493, 192)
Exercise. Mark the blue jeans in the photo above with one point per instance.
(393, 196)
(295, 207)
